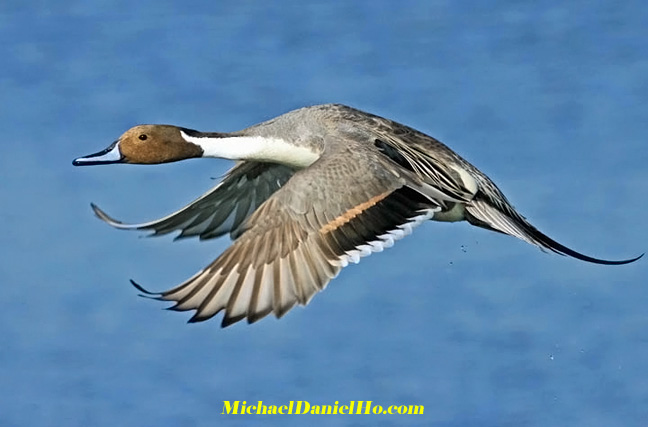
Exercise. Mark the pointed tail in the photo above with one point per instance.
(484, 213)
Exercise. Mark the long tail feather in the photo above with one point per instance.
(484, 214)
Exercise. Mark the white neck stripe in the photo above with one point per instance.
(254, 148)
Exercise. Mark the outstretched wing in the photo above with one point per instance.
(299, 239)
(222, 209)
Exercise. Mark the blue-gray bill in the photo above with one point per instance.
(104, 157)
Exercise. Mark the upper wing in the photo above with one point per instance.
(438, 167)
(299, 239)
(222, 209)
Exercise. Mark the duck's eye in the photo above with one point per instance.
(142, 137)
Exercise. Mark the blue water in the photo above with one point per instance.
(547, 98)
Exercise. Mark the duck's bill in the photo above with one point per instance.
(105, 157)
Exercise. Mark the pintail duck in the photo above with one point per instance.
(313, 190)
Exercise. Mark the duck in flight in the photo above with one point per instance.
(313, 189)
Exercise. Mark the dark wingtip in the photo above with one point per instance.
(196, 319)
(254, 317)
(103, 215)
(144, 292)
(227, 321)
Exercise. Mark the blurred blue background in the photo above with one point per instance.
(549, 99)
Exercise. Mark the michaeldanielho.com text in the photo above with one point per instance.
(299, 407)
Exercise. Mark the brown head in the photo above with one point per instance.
(145, 144)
